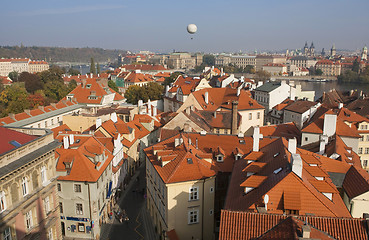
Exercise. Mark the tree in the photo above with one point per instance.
(154, 90)
(172, 78)
(54, 73)
(36, 100)
(356, 66)
(113, 86)
(72, 85)
(132, 94)
(13, 76)
(98, 68)
(208, 59)
(31, 81)
(92, 66)
(55, 90)
(262, 75)
(318, 72)
(73, 72)
(14, 99)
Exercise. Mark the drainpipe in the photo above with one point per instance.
(89, 204)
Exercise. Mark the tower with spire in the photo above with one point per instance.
(312, 49)
(323, 52)
(364, 54)
(306, 49)
(333, 50)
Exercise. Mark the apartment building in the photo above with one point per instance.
(29, 203)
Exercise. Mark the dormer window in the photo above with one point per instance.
(238, 157)
(88, 86)
(219, 158)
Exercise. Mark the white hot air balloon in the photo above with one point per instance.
(191, 29)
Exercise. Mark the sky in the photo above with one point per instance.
(160, 25)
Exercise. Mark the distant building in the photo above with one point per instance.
(328, 67)
(183, 60)
(21, 65)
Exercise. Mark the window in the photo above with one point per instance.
(194, 194)
(29, 219)
(43, 174)
(211, 212)
(365, 163)
(306, 138)
(77, 188)
(193, 216)
(220, 158)
(24, 186)
(79, 209)
(211, 189)
(360, 151)
(366, 150)
(2, 201)
(367, 138)
(45, 124)
(50, 234)
(258, 115)
(47, 204)
(217, 131)
(250, 116)
(59, 187)
(57, 119)
(361, 139)
(7, 234)
(81, 227)
(61, 207)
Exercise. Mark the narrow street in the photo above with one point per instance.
(133, 202)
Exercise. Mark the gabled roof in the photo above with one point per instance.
(286, 130)
(356, 182)
(300, 106)
(247, 225)
(134, 77)
(187, 85)
(268, 87)
(223, 98)
(360, 106)
(81, 155)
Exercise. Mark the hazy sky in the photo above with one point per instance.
(160, 25)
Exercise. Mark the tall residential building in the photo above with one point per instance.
(29, 203)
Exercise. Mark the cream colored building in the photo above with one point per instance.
(328, 67)
(29, 203)
(183, 60)
(5, 67)
(38, 66)
(363, 151)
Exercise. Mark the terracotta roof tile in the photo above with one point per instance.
(11, 139)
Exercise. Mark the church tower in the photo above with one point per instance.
(306, 49)
(333, 50)
(323, 52)
(364, 54)
(312, 49)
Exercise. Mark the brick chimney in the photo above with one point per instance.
(234, 117)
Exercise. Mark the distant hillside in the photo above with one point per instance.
(58, 54)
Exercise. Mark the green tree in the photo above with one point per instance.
(172, 78)
(73, 72)
(132, 94)
(92, 66)
(113, 86)
(14, 99)
(318, 72)
(348, 76)
(356, 66)
(55, 90)
(72, 85)
(54, 73)
(98, 67)
(154, 90)
(262, 75)
(208, 59)
(13, 76)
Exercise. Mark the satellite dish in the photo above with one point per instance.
(191, 28)
(266, 200)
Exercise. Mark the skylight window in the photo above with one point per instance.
(189, 161)
(276, 155)
(15, 143)
(88, 86)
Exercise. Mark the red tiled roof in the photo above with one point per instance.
(287, 130)
(356, 182)
(134, 77)
(8, 135)
(144, 67)
(246, 225)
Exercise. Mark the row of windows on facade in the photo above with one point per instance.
(363, 139)
(24, 188)
(361, 150)
(46, 123)
(31, 219)
(79, 208)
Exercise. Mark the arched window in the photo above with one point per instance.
(2, 201)
(24, 186)
(35, 179)
(43, 175)
(14, 193)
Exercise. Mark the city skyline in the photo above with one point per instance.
(161, 26)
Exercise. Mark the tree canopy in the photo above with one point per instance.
(172, 78)
(152, 91)
(92, 66)
(113, 86)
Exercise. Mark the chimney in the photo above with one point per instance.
(206, 98)
(242, 79)
(71, 139)
(12, 116)
(215, 114)
(234, 117)
(91, 75)
(340, 105)
(154, 111)
(197, 143)
(27, 111)
(221, 72)
(296, 164)
(177, 142)
(167, 90)
(306, 231)
(256, 138)
(98, 123)
(238, 92)
(329, 128)
(292, 142)
(322, 143)
(149, 109)
(113, 117)
(41, 108)
(65, 142)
